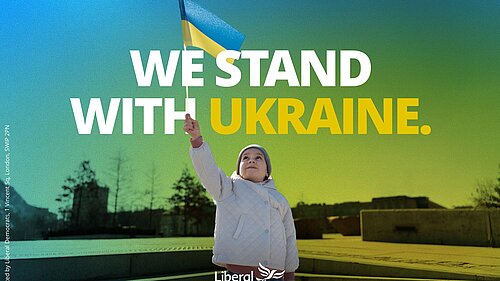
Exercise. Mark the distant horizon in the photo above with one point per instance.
(293, 205)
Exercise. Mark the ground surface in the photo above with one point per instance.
(481, 261)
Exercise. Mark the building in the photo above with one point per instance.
(90, 206)
(353, 208)
(403, 202)
(344, 217)
(173, 224)
(144, 221)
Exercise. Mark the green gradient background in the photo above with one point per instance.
(444, 52)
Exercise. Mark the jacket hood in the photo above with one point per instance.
(269, 183)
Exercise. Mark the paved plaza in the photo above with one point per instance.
(481, 261)
(334, 254)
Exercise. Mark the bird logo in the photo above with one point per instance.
(269, 274)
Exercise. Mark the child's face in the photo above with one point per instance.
(253, 165)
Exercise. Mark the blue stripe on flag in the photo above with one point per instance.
(212, 26)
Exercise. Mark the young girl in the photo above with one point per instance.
(254, 229)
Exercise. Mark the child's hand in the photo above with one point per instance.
(192, 127)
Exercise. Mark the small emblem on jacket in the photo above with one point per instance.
(269, 274)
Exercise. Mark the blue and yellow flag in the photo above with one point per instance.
(202, 29)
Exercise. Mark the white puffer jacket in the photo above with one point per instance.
(253, 221)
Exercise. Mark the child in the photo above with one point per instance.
(254, 229)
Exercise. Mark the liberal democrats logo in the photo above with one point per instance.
(266, 273)
(269, 274)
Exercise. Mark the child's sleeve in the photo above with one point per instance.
(292, 253)
(213, 179)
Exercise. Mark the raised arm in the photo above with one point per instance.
(211, 176)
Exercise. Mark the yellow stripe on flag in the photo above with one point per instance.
(198, 39)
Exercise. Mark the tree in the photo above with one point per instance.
(487, 194)
(190, 200)
(65, 199)
(75, 187)
(121, 176)
(153, 179)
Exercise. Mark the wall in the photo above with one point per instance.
(432, 226)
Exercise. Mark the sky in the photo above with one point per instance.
(445, 53)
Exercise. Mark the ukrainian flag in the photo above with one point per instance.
(202, 29)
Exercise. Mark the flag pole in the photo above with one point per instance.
(187, 91)
(185, 34)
